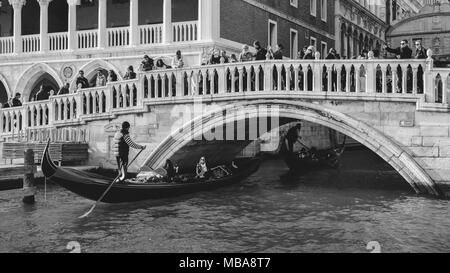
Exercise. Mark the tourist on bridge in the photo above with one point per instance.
(146, 64)
(332, 55)
(101, 79)
(64, 89)
(292, 136)
(277, 55)
(234, 59)
(122, 144)
(223, 57)
(112, 76)
(301, 54)
(260, 51)
(215, 57)
(402, 52)
(178, 62)
(16, 101)
(421, 52)
(130, 75)
(309, 54)
(82, 82)
(160, 64)
(42, 94)
(245, 55)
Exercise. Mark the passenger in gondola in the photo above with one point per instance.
(170, 169)
(122, 144)
(202, 169)
(292, 136)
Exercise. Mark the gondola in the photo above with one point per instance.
(312, 159)
(92, 186)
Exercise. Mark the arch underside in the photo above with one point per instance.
(288, 111)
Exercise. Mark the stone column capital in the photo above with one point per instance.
(44, 2)
(73, 2)
(17, 4)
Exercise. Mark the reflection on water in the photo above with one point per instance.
(264, 213)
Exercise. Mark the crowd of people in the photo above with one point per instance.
(220, 57)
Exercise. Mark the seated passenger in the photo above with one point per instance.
(170, 169)
(201, 170)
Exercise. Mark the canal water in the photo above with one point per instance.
(327, 211)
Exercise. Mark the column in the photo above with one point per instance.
(17, 5)
(72, 25)
(167, 21)
(134, 22)
(208, 19)
(102, 19)
(44, 24)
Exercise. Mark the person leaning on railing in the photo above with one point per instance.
(178, 62)
(82, 82)
(64, 89)
(130, 75)
(147, 64)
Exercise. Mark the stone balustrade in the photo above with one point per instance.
(115, 37)
(410, 81)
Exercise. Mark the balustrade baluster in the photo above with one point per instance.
(287, 71)
(338, 79)
(329, 78)
(348, 70)
(414, 85)
(241, 79)
(394, 79)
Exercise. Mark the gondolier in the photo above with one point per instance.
(122, 144)
(292, 136)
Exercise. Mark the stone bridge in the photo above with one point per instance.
(397, 108)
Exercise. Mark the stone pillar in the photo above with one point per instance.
(44, 24)
(208, 19)
(17, 5)
(134, 22)
(102, 20)
(72, 25)
(167, 21)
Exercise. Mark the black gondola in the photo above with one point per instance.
(92, 186)
(312, 159)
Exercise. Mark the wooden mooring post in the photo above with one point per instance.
(28, 178)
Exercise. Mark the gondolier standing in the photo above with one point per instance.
(292, 136)
(122, 144)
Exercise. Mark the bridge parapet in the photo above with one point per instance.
(373, 80)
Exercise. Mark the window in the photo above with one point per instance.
(313, 7)
(313, 42)
(294, 3)
(323, 11)
(294, 43)
(272, 33)
(323, 49)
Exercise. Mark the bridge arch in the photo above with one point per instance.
(5, 92)
(90, 70)
(386, 148)
(29, 78)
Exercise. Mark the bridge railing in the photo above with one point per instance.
(408, 80)
(340, 77)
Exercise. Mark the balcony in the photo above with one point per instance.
(117, 37)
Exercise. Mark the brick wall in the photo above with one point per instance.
(243, 22)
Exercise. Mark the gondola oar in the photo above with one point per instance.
(107, 190)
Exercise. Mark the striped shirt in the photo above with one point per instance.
(119, 142)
